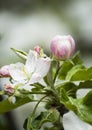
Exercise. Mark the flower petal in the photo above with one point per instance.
(72, 122)
(43, 66)
(26, 87)
(31, 61)
(35, 78)
(16, 72)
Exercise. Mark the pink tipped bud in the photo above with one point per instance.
(38, 49)
(62, 47)
(8, 88)
(4, 71)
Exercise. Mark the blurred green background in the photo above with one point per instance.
(26, 23)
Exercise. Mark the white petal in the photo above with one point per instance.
(16, 72)
(26, 87)
(35, 78)
(43, 66)
(72, 122)
(31, 61)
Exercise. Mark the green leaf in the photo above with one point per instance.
(76, 58)
(6, 106)
(87, 99)
(69, 87)
(85, 84)
(75, 70)
(79, 73)
(20, 53)
(37, 122)
(47, 116)
(48, 79)
(82, 107)
(66, 66)
(51, 128)
(63, 95)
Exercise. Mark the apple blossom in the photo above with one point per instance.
(4, 71)
(62, 47)
(32, 71)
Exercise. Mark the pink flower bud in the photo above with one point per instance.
(38, 49)
(62, 47)
(8, 88)
(4, 71)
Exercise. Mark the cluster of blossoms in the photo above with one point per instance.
(23, 75)
(37, 64)
(54, 79)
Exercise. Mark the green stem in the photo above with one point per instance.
(33, 113)
(57, 70)
(58, 66)
(38, 93)
(35, 92)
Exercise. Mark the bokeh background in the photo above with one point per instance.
(26, 23)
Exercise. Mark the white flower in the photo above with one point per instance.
(33, 71)
(72, 122)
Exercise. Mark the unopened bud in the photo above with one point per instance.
(38, 49)
(62, 47)
(8, 88)
(4, 71)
